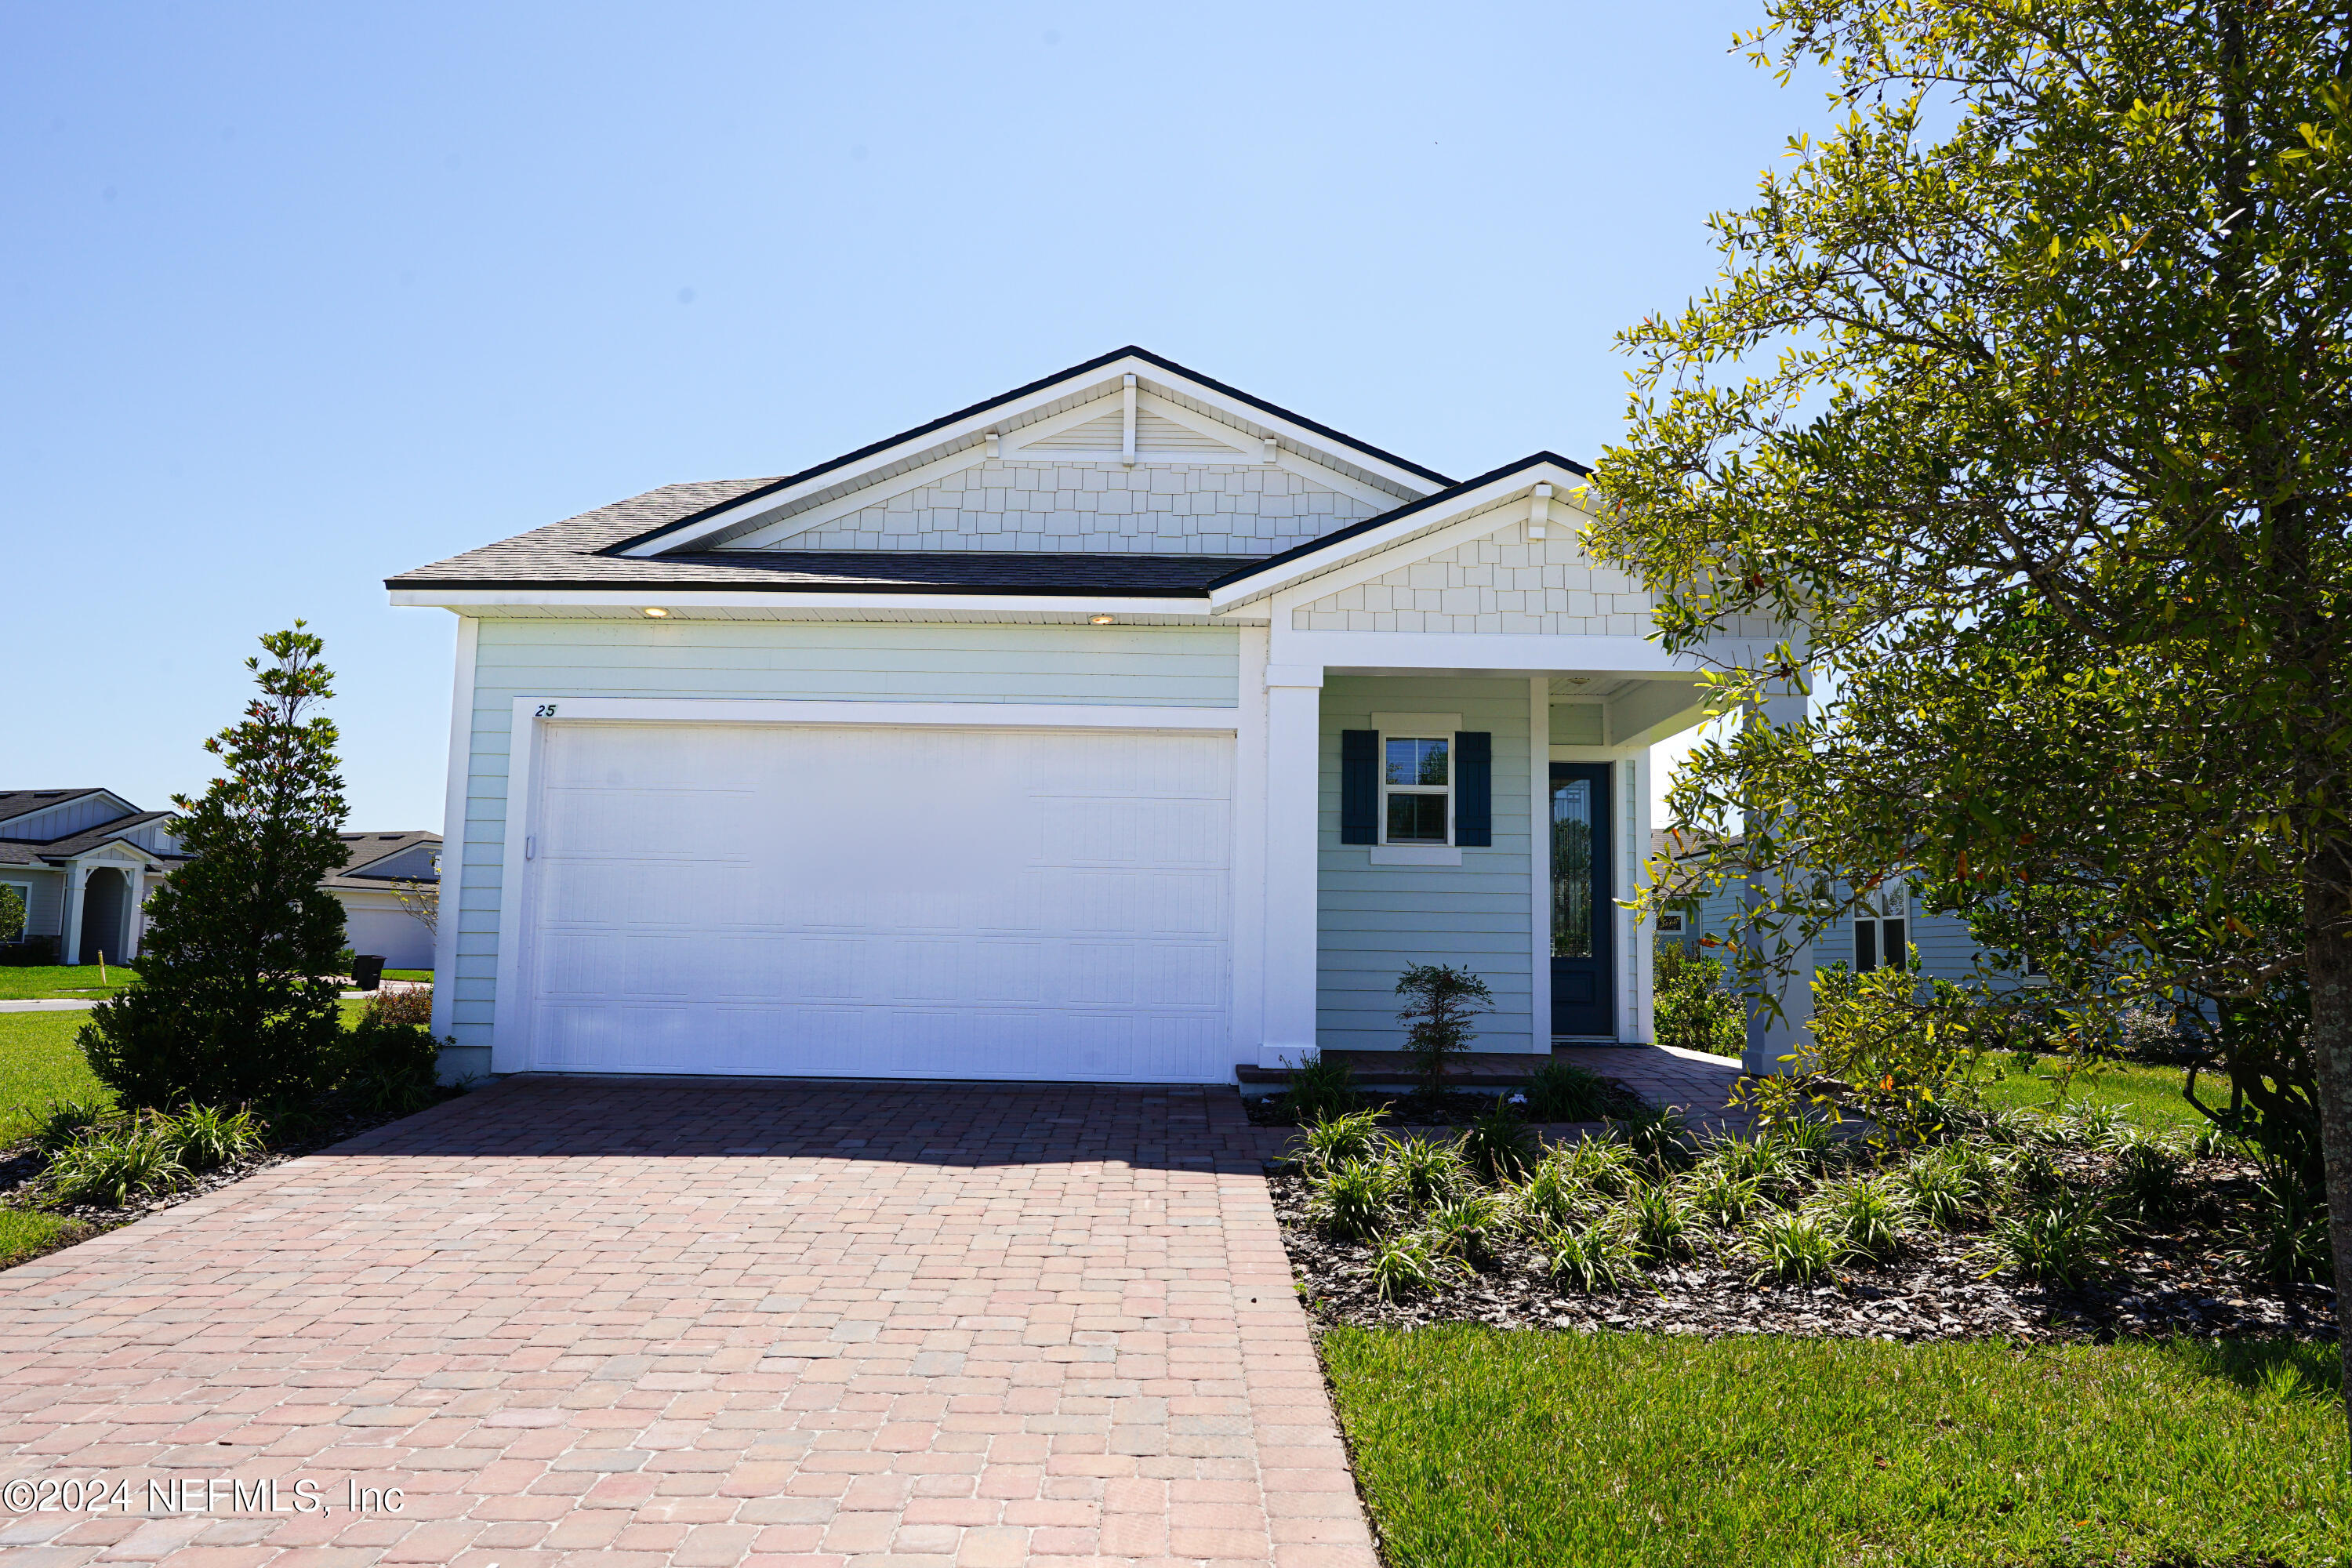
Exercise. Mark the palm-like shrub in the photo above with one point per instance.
(1353, 1200)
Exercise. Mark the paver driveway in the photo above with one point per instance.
(673, 1323)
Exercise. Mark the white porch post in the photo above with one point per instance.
(1540, 861)
(1769, 1038)
(70, 921)
(1294, 720)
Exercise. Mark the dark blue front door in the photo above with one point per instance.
(1580, 909)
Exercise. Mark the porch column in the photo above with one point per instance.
(1294, 715)
(1769, 1038)
(70, 921)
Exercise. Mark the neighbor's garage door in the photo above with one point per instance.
(917, 902)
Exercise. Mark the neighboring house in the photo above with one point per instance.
(1124, 727)
(381, 866)
(84, 861)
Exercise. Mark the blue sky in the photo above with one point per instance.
(292, 298)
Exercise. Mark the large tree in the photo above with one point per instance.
(2024, 394)
(237, 992)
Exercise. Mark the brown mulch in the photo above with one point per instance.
(1452, 1107)
(1944, 1285)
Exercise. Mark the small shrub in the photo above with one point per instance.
(111, 1165)
(2092, 1127)
(1500, 1145)
(1721, 1194)
(409, 1004)
(1425, 1171)
(2144, 1184)
(1467, 1223)
(1864, 1215)
(206, 1137)
(1660, 1219)
(1553, 1191)
(1562, 1091)
(1692, 1009)
(1412, 1261)
(1321, 1087)
(2058, 1241)
(1807, 1142)
(1938, 1190)
(1331, 1142)
(1440, 1002)
(1352, 1200)
(1790, 1248)
(1660, 1138)
(2034, 1173)
(1599, 1256)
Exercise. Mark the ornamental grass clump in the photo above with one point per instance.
(1500, 1146)
(1409, 1262)
(1864, 1217)
(1601, 1256)
(2058, 1240)
(1467, 1224)
(1553, 1192)
(2284, 1234)
(1425, 1169)
(2144, 1186)
(1659, 1218)
(1562, 1091)
(1599, 1164)
(1350, 1138)
(206, 1137)
(1660, 1138)
(1720, 1194)
(1938, 1190)
(1353, 1200)
(1321, 1086)
(112, 1164)
(1790, 1248)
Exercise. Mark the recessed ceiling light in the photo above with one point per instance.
(656, 615)
(1102, 620)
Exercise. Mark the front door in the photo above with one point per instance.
(1580, 907)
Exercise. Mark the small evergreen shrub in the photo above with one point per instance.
(1441, 1001)
(387, 1067)
(1562, 1091)
(1692, 1008)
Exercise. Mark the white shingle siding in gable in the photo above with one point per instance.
(1211, 509)
(1503, 582)
(1197, 667)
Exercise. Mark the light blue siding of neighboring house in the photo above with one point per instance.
(1946, 948)
(1376, 920)
(862, 661)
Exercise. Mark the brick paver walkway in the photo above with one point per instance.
(642, 1324)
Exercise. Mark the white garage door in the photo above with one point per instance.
(888, 902)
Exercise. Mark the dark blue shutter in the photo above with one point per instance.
(1474, 788)
(1359, 786)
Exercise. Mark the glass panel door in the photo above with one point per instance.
(1583, 997)
(1571, 869)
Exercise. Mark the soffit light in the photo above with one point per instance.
(655, 614)
(1102, 620)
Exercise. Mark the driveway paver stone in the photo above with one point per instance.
(665, 1322)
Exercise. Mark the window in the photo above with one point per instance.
(24, 892)
(1882, 928)
(1416, 789)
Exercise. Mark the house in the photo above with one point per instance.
(83, 861)
(387, 887)
(1125, 727)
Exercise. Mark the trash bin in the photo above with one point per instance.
(367, 972)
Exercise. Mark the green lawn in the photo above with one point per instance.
(39, 1063)
(42, 980)
(24, 1233)
(1477, 1448)
(423, 975)
(2150, 1095)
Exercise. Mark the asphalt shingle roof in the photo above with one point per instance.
(366, 849)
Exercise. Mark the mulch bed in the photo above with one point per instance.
(1452, 1107)
(21, 1167)
(1943, 1287)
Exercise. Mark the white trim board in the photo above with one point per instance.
(682, 602)
(528, 710)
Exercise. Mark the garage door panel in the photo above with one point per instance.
(888, 902)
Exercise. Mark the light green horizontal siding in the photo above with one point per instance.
(1374, 921)
(1182, 667)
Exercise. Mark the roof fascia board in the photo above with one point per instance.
(68, 798)
(973, 423)
(137, 852)
(473, 600)
(1381, 535)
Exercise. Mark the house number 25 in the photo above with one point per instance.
(546, 711)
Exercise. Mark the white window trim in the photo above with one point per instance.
(1407, 727)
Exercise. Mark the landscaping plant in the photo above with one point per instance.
(111, 1164)
(1322, 1085)
(1790, 1247)
(1692, 1008)
(2059, 1240)
(1409, 1261)
(1354, 1200)
(237, 1001)
(1426, 1170)
(1500, 1146)
(1440, 1002)
(1562, 1091)
(1348, 1137)
(1601, 1256)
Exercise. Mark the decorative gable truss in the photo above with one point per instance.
(1127, 454)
